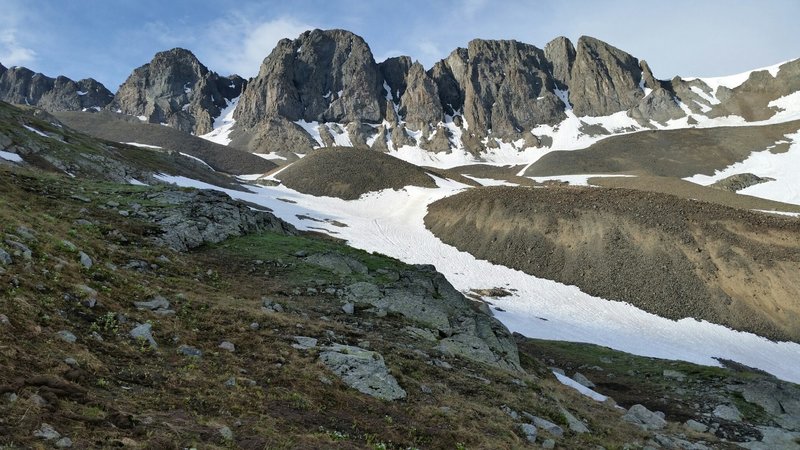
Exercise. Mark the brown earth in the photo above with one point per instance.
(121, 128)
(667, 255)
(666, 153)
(347, 173)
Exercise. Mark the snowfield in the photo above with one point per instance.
(391, 222)
(782, 167)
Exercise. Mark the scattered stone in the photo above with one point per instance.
(545, 425)
(80, 198)
(226, 433)
(124, 213)
(574, 423)
(20, 249)
(72, 362)
(336, 263)
(674, 375)
(529, 431)
(696, 426)
(362, 370)
(156, 303)
(727, 412)
(5, 258)
(511, 413)
(425, 389)
(144, 332)
(255, 326)
(67, 336)
(349, 308)
(64, 442)
(270, 306)
(25, 233)
(442, 364)
(69, 246)
(646, 419)
(304, 342)
(188, 350)
(86, 261)
(225, 345)
(37, 400)
(580, 378)
(47, 432)
(325, 380)
(10, 397)
(4, 320)
(96, 336)
(549, 443)
(230, 382)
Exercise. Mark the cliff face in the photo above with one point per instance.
(176, 89)
(22, 86)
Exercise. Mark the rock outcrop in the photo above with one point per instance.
(24, 87)
(176, 89)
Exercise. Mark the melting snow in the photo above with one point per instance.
(8, 156)
(391, 222)
(565, 380)
(136, 144)
(574, 180)
(734, 81)
(34, 130)
(197, 159)
(783, 167)
(223, 124)
(82, 92)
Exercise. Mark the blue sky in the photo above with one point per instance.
(107, 39)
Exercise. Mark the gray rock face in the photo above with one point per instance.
(646, 419)
(561, 54)
(336, 263)
(207, 216)
(728, 412)
(176, 89)
(419, 104)
(362, 370)
(324, 76)
(429, 299)
(143, 332)
(22, 86)
(529, 431)
(604, 79)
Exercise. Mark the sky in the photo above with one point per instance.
(107, 39)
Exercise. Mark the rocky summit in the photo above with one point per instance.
(177, 90)
(23, 86)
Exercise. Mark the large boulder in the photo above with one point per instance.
(362, 370)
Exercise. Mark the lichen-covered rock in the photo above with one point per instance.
(646, 419)
(362, 370)
(198, 217)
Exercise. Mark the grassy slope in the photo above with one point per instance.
(124, 393)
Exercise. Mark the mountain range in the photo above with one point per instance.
(325, 88)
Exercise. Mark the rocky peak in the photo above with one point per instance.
(420, 106)
(506, 86)
(323, 75)
(604, 79)
(561, 54)
(394, 71)
(22, 86)
(176, 89)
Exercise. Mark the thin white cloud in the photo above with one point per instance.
(240, 44)
(12, 53)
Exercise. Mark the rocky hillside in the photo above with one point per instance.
(670, 256)
(113, 335)
(24, 87)
(177, 90)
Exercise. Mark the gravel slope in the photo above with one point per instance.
(667, 255)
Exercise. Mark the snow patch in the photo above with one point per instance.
(783, 167)
(136, 144)
(575, 180)
(490, 181)
(136, 182)
(270, 156)
(223, 124)
(82, 93)
(567, 381)
(8, 156)
(34, 130)
(197, 159)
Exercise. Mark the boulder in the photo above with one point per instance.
(643, 417)
(362, 370)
